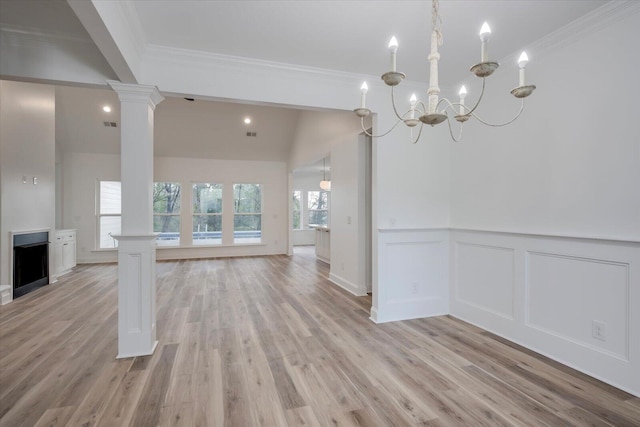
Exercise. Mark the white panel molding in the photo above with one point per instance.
(419, 287)
(602, 279)
(348, 286)
(624, 355)
(456, 284)
(136, 295)
(578, 237)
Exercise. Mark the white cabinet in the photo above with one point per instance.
(64, 251)
(323, 244)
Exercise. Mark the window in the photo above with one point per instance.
(207, 214)
(318, 204)
(247, 218)
(166, 213)
(297, 209)
(109, 213)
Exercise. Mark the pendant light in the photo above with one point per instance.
(324, 184)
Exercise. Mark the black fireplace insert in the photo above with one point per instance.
(30, 262)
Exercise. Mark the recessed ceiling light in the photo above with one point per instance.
(106, 109)
(247, 121)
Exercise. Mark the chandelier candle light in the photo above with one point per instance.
(430, 114)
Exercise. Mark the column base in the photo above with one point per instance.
(136, 295)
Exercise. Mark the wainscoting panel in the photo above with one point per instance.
(489, 265)
(413, 274)
(595, 290)
(574, 300)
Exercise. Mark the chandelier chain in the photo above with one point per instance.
(436, 20)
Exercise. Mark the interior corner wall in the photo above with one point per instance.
(545, 213)
(27, 149)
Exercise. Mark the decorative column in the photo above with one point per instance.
(137, 243)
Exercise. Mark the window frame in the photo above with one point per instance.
(178, 241)
(300, 210)
(310, 211)
(100, 215)
(260, 214)
(196, 214)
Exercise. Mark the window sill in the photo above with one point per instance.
(231, 245)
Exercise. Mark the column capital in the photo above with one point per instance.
(137, 93)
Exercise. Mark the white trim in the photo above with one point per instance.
(348, 286)
(596, 238)
(190, 58)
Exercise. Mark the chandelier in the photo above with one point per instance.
(436, 109)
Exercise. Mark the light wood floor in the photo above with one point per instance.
(268, 341)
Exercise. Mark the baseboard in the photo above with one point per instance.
(348, 286)
(5, 294)
(411, 309)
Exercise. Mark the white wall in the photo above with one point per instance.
(571, 164)
(539, 191)
(27, 148)
(347, 215)
(82, 171)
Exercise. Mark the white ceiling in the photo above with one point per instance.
(353, 35)
(347, 36)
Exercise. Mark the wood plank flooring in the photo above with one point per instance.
(268, 341)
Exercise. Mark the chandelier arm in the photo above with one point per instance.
(381, 135)
(450, 104)
(393, 103)
(459, 138)
(419, 133)
(363, 128)
(470, 112)
(501, 124)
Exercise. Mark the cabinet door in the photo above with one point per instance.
(68, 255)
(58, 258)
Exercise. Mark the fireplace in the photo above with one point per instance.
(30, 262)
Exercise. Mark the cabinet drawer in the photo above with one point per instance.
(65, 236)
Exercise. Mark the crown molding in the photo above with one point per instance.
(598, 19)
(192, 58)
(16, 32)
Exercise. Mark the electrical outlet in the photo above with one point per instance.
(349, 220)
(414, 288)
(598, 330)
